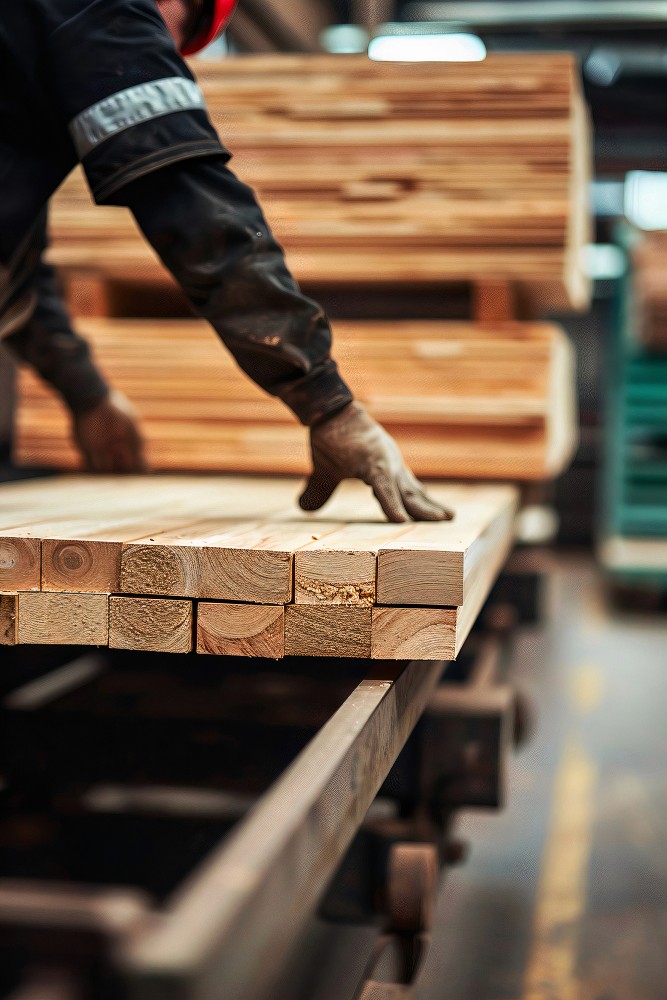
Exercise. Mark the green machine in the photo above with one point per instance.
(633, 515)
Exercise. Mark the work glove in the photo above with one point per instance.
(351, 445)
(109, 437)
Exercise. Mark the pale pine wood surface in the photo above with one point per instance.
(261, 578)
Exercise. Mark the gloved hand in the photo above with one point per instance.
(351, 445)
(109, 437)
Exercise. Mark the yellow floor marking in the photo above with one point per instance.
(587, 688)
(561, 898)
(595, 610)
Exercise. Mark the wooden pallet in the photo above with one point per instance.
(486, 400)
(378, 173)
(231, 567)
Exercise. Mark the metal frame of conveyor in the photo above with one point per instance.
(218, 933)
(309, 845)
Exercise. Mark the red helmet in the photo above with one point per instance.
(213, 21)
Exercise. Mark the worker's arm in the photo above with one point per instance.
(103, 423)
(139, 126)
(210, 232)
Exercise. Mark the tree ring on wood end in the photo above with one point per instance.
(8, 555)
(12, 554)
(72, 559)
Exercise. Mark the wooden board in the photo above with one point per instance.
(341, 567)
(432, 632)
(90, 561)
(272, 581)
(8, 619)
(330, 631)
(63, 619)
(241, 630)
(411, 570)
(245, 562)
(479, 400)
(20, 563)
(150, 624)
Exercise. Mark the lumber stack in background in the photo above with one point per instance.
(649, 261)
(469, 400)
(233, 567)
(386, 172)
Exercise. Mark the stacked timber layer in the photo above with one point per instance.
(649, 259)
(468, 400)
(386, 172)
(230, 566)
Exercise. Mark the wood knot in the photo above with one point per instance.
(72, 558)
(9, 555)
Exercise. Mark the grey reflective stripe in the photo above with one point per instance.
(132, 106)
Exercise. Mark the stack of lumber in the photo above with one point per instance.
(649, 258)
(470, 400)
(384, 172)
(230, 566)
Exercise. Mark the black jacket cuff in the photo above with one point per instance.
(83, 388)
(62, 359)
(318, 395)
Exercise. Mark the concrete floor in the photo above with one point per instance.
(564, 896)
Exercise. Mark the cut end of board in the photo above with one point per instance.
(150, 624)
(241, 630)
(9, 606)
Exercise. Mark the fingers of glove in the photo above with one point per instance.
(140, 462)
(91, 458)
(121, 456)
(418, 503)
(129, 455)
(318, 490)
(101, 460)
(388, 495)
(422, 508)
(125, 460)
(89, 462)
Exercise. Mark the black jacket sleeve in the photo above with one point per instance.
(211, 234)
(59, 355)
(121, 90)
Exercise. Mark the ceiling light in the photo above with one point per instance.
(452, 47)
